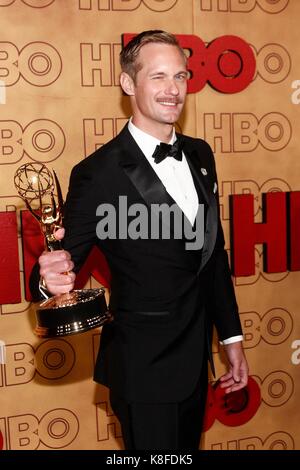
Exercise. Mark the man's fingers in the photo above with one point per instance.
(226, 376)
(232, 385)
(237, 386)
(227, 383)
(59, 233)
(58, 279)
(56, 268)
(49, 257)
(61, 283)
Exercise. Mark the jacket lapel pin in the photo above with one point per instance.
(204, 171)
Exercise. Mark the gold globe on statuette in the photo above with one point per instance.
(79, 310)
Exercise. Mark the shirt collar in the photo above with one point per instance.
(146, 142)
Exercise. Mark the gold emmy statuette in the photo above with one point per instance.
(76, 311)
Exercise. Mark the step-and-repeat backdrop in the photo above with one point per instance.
(59, 101)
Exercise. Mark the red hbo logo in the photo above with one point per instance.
(227, 63)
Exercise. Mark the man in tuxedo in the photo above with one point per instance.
(166, 293)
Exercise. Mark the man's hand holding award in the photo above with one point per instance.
(76, 311)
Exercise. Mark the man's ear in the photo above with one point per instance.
(127, 84)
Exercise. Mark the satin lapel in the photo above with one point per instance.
(140, 173)
(211, 228)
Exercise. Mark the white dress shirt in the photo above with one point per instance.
(177, 179)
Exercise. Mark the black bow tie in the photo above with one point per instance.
(166, 150)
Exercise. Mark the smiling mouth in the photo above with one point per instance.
(168, 103)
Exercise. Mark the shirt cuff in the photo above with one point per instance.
(232, 339)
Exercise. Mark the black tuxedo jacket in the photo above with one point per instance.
(165, 298)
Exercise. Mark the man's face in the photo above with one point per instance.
(160, 86)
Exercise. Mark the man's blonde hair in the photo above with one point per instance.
(129, 54)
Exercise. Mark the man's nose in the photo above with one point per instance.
(172, 88)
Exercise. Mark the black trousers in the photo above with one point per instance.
(163, 426)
